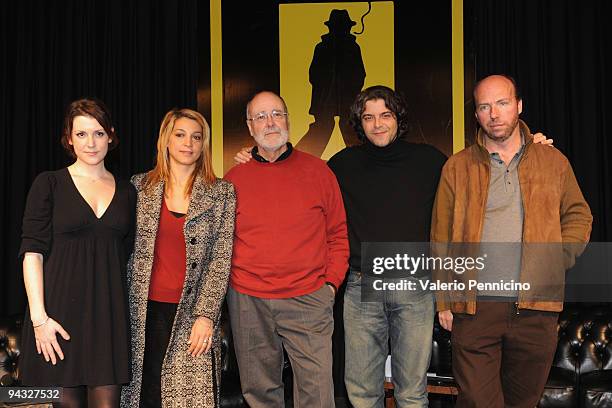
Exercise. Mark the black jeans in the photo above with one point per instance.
(160, 318)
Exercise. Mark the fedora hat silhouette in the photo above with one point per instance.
(339, 18)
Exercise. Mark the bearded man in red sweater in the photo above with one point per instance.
(290, 256)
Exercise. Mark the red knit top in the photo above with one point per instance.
(290, 235)
(169, 259)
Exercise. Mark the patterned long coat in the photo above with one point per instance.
(186, 381)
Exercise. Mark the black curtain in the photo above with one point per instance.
(560, 53)
(140, 57)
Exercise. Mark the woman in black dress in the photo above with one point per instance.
(77, 235)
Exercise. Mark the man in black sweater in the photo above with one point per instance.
(388, 187)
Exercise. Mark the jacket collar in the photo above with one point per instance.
(483, 153)
(201, 199)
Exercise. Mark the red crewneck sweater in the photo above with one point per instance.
(291, 233)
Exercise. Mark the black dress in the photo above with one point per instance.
(85, 260)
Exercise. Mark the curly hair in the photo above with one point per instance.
(394, 101)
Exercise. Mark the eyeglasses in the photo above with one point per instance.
(384, 116)
(263, 116)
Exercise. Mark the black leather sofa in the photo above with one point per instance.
(231, 395)
(581, 376)
(10, 342)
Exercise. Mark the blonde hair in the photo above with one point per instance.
(161, 171)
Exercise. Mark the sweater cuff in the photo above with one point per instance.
(334, 280)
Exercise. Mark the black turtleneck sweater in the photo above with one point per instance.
(388, 192)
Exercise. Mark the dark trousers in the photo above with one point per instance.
(160, 318)
(502, 358)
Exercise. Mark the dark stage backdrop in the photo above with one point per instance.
(140, 57)
(560, 52)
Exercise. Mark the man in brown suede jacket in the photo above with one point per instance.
(506, 189)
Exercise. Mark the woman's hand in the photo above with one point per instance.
(46, 340)
(200, 339)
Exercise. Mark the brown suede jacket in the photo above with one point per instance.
(555, 211)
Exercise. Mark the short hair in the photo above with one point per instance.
(93, 108)
(248, 105)
(394, 101)
(517, 90)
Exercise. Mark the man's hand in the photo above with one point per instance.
(540, 138)
(243, 156)
(446, 319)
(200, 340)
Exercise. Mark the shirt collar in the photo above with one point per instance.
(495, 156)
(259, 158)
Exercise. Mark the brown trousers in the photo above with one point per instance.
(303, 325)
(502, 358)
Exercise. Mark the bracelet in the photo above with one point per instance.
(40, 324)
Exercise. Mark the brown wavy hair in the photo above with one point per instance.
(93, 108)
(161, 171)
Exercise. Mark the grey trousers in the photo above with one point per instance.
(303, 325)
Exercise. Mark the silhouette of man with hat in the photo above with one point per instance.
(337, 75)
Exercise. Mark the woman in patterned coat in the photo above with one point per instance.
(178, 273)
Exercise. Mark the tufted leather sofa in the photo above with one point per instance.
(231, 395)
(10, 341)
(581, 375)
(582, 368)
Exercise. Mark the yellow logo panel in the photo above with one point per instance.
(326, 57)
